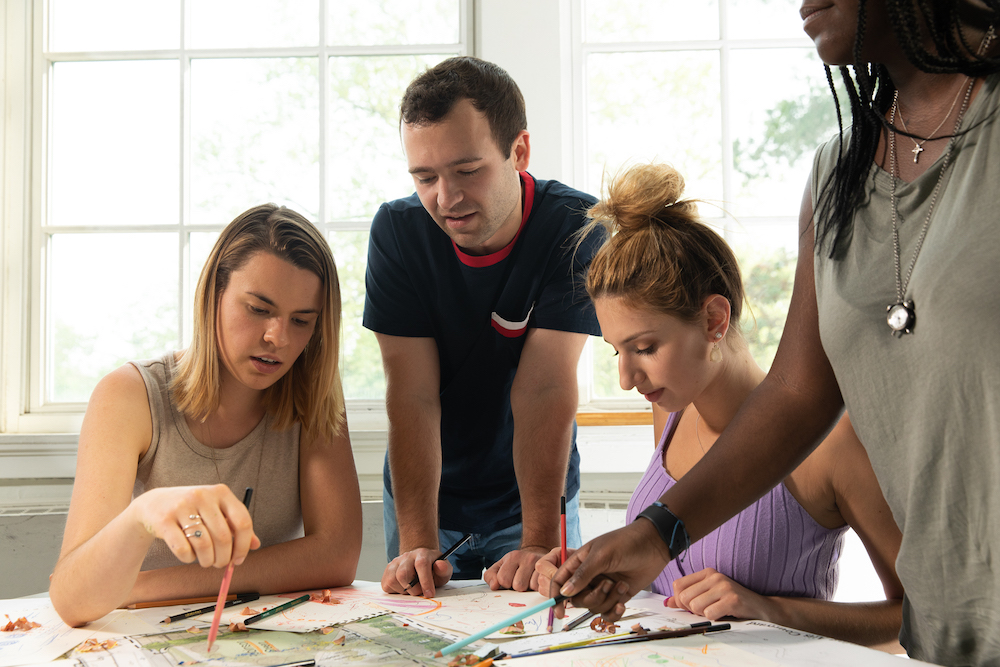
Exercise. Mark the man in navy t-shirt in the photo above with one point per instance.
(475, 293)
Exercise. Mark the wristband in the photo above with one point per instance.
(671, 529)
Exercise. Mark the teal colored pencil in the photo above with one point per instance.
(524, 613)
(277, 610)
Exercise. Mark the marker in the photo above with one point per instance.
(224, 588)
(443, 556)
(276, 610)
(524, 613)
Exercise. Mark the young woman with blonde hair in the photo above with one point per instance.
(669, 296)
(168, 445)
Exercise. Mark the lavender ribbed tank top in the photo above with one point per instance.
(773, 547)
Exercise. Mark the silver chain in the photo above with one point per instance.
(901, 285)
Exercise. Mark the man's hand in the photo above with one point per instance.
(607, 571)
(420, 563)
(516, 570)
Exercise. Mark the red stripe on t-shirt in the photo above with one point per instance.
(479, 261)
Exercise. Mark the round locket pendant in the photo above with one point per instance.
(901, 318)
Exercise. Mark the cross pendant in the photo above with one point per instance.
(917, 150)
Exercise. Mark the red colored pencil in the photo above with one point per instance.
(220, 603)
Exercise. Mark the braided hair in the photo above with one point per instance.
(870, 93)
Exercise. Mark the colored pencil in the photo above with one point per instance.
(275, 610)
(174, 603)
(224, 588)
(630, 638)
(562, 549)
(239, 599)
(524, 613)
(579, 620)
(455, 547)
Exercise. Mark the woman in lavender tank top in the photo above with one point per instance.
(668, 295)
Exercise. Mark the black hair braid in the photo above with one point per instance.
(870, 92)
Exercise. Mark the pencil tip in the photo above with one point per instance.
(438, 655)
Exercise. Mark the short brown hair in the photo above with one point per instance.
(659, 255)
(311, 392)
(433, 94)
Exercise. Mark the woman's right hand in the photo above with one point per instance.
(204, 523)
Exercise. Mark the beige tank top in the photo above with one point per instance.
(266, 460)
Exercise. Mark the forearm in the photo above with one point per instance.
(543, 432)
(306, 563)
(865, 623)
(415, 465)
(99, 574)
(777, 427)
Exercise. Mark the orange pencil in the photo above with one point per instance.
(220, 604)
(172, 603)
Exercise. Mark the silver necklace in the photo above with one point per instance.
(902, 315)
(918, 146)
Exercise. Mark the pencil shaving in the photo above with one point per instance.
(22, 624)
(516, 629)
(91, 645)
(236, 626)
(247, 611)
(326, 597)
(194, 630)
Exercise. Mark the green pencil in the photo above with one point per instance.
(274, 610)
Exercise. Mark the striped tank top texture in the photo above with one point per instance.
(773, 547)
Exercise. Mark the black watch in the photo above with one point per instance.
(670, 528)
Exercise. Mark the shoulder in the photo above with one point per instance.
(400, 210)
(557, 200)
(119, 406)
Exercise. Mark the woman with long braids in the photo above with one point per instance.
(894, 315)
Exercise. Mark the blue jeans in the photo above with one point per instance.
(483, 549)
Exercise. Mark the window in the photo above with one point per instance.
(158, 123)
(731, 93)
(128, 149)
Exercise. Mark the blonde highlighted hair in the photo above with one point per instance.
(311, 392)
(659, 255)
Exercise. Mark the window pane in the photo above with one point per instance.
(361, 361)
(113, 298)
(366, 164)
(115, 140)
(254, 136)
(364, 22)
(221, 24)
(650, 20)
(656, 106)
(763, 19)
(199, 246)
(767, 257)
(114, 25)
(776, 128)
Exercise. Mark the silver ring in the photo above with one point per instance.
(196, 533)
(194, 517)
(190, 525)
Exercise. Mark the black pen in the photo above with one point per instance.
(240, 599)
(443, 556)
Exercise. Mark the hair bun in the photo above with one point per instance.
(642, 194)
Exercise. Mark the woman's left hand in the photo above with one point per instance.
(711, 594)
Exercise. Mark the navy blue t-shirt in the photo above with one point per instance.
(478, 309)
